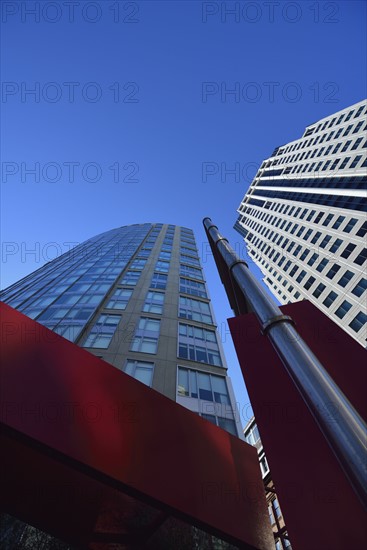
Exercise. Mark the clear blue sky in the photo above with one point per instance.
(142, 86)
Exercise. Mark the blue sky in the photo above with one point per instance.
(133, 119)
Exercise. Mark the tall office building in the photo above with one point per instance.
(136, 297)
(303, 219)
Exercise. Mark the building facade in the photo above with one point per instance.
(136, 297)
(252, 436)
(303, 219)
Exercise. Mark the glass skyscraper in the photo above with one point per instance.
(136, 297)
(303, 219)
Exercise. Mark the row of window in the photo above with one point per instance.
(337, 201)
(301, 213)
(189, 308)
(194, 343)
(194, 384)
(332, 149)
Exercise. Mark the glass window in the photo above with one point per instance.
(333, 271)
(192, 287)
(146, 336)
(138, 263)
(338, 222)
(360, 287)
(130, 278)
(325, 241)
(336, 244)
(361, 258)
(162, 266)
(358, 321)
(351, 223)
(189, 271)
(119, 298)
(319, 290)
(343, 309)
(316, 237)
(330, 298)
(348, 250)
(347, 276)
(159, 280)
(140, 370)
(310, 281)
(195, 310)
(102, 332)
(322, 265)
(362, 230)
(313, 259)
(301, 276)
(196, 384)
(276, 508)
(198, 344)
(189, 260)
(154, 302)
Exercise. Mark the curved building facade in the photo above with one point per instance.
(136, 296)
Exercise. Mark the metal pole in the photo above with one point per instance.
(345, 431)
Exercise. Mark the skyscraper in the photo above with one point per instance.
(303, 219)
(136, 297)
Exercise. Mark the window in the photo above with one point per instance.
(330, 298)
(195, 310)
(338, 222)
(119, 298)
(361, 258)
(322, 264)
(146, 336)
(360, 287)
(202, 385)
(271, 516)
(310, 281)
(343, 309)
(138, 263)
(293, 270)
(130, 278)
(333, 271)
(319, 290)
(192, 287)
(316, 237)
(162, 266)
(189, 260)
(336, 244)
(301, 276)
(264, 466)
(328, 219)
(140, 370)
(154, 302)
(159, 280)
(348, 250)
(362, 230)
(102, 332)
(189, 271)
(198, 344)
(358, 321)
(325, 241)
(253, 436)
(276, 508)
(313, 259)
(351, 223)
(345, 278)
(304, 255)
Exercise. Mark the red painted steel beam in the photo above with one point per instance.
(321, 509)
